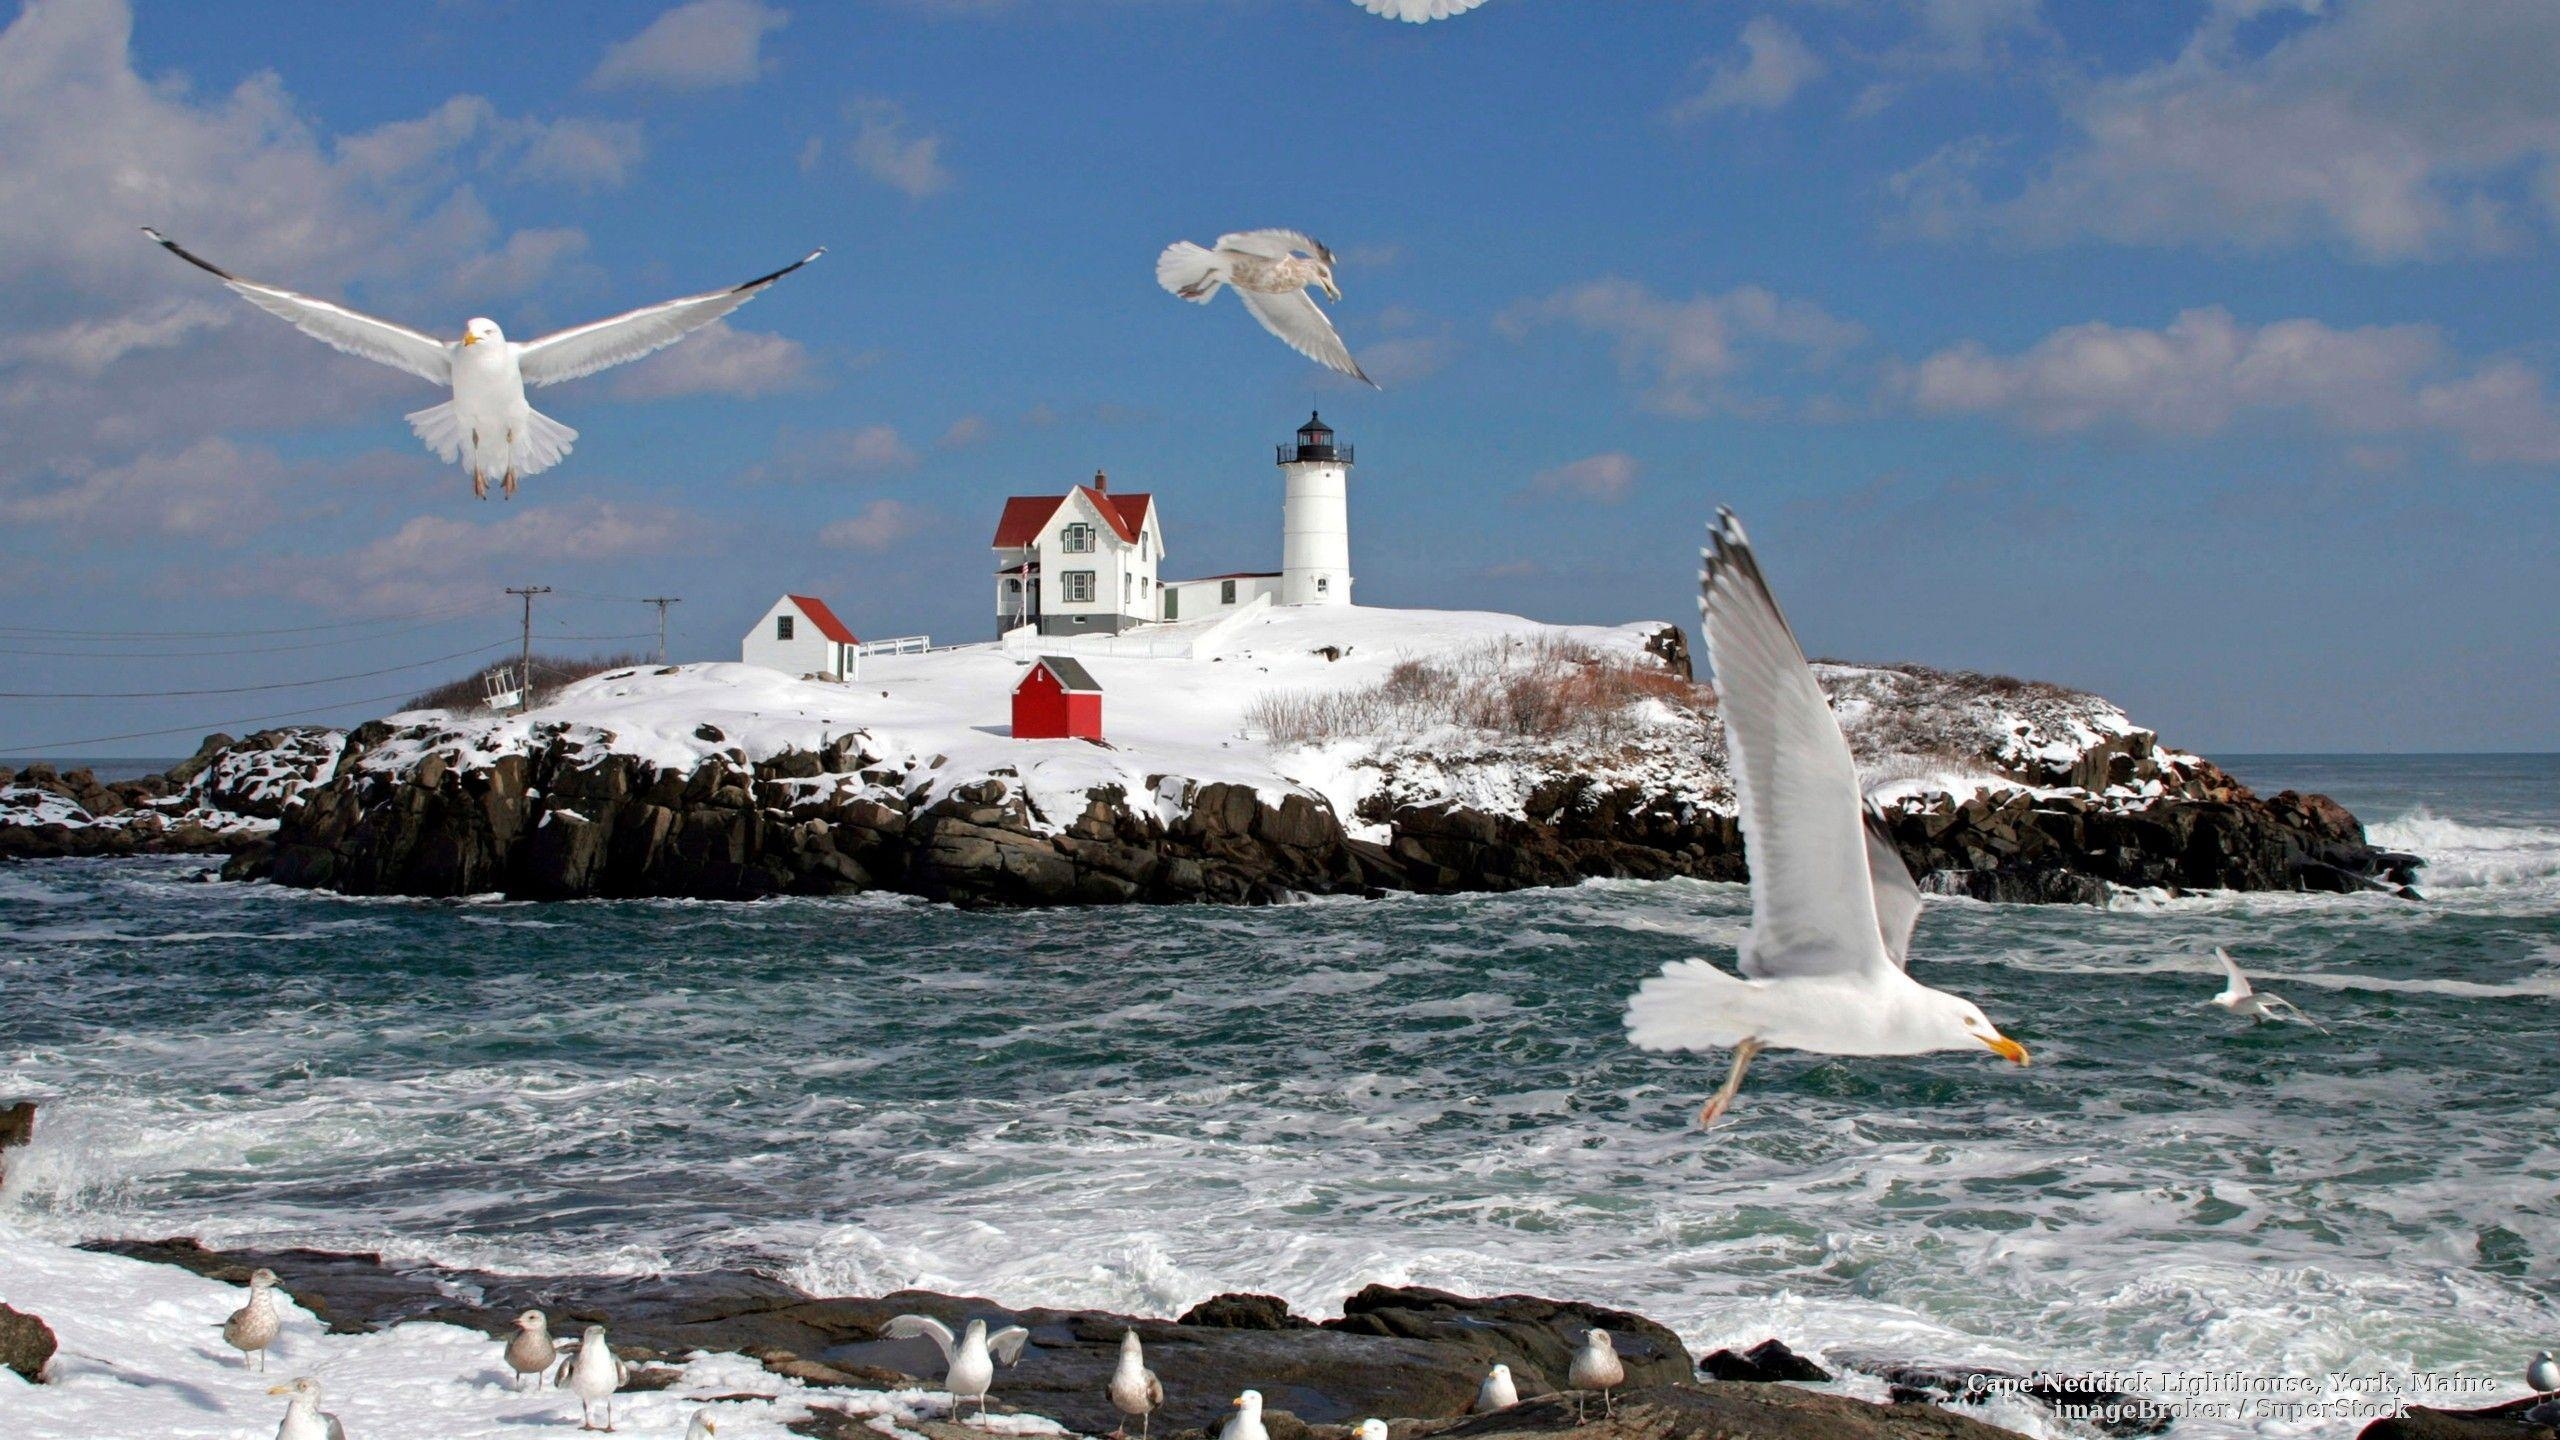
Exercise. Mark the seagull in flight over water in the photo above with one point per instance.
(1270, 271)
(1832, 904)
(2241, 998)
(487, 425)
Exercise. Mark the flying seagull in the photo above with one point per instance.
(2240, 998)
(487, 425)
(1270, 271)
(971, 1356)
(1418, 11)
(1832, 904)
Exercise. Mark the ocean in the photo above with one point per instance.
(1135, 1109)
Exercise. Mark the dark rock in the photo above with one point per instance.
(17, 1123)
(26, 1343)
(2111, 1412)
(1244, 1312)
(1768, 1362)
(1535, 1337)
(2532, 1418)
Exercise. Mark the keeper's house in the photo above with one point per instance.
(1079, 564)
(800, 636)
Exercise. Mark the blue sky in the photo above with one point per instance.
(2198, 354)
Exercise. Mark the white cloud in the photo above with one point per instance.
(212, 490)
(1686, 351)
(966, 431)
(717, 360)
(582, 154)
(468, 133)
(1603, 479)
(1772, 66)
(2206, 371)
(884, 149)
(435, 559)
(2399, 128)
(857, 452)
(698, 46)
(876, 527)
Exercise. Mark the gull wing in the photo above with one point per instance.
(1006, 1344)
(1155, 1389)
(332, 324)
(1275, 244)
(1295, 318)
(1897, 894)
(1418, 11)
(586, 349)
(336, 1430)
(1813, 903)
(2239, 987)
(908, 1327)
(2291, 1011)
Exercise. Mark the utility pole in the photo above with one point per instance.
(662, 602)
(524, 674)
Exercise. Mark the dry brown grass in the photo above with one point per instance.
(550, 672)
(1547, 688)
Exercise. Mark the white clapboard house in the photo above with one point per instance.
(1082, 563)
(801, 636)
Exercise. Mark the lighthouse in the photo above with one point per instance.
(1315, 518)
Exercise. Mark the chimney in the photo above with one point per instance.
(1101, 481)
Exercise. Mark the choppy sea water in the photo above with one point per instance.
(1134, 1109)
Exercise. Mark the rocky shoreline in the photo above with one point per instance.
(2023, 793)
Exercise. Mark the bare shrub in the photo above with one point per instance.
(1546, 687)
(550, 672)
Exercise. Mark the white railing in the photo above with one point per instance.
(902, 645)
(1153, 641)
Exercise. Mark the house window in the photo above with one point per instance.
(1128, 587)
(1323, 584)
(1076, 539)
(1226, 592)
(1079, 585)
(1172, 604)
(781, 627)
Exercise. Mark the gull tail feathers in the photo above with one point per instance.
(543, 444)
(1189, 271)
(1691, 1005)
(441, 428)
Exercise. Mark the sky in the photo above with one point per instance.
(2197, 354)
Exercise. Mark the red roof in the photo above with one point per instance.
(824, 618)
(1025, 515)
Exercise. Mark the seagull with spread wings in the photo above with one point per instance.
(1270, 271)
(487, 425)
(2242, 998)
(970, 1355)
(1832, 904)
(1418, 11)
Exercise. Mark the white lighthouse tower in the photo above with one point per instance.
(1315, 518)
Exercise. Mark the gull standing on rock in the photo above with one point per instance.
(971, 1357)
(2543, 1374)
(2241, 998)
(487, 425)
(1270, 271)
(1497, 1392)
(303, 1417)
(530, 1350)
(1246, 1423)
(1832, 904)
(1596, 1366)
(593, 1374)
(1135, 1390)
(254, 1326)
(1370, 1429)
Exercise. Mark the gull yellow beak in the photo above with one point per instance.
(279, 1389)
(470, 339)
(1236, 1404)
(2007, 1049)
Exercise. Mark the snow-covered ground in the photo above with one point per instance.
(141, 1354)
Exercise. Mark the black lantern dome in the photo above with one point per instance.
(1315, 442)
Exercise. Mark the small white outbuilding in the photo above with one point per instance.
(800, 636)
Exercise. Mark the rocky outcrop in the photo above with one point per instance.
(567, 822)
(1411, 1355)
(17, 1127)
(26, 1344)
(228, 795)
(2532, 1418)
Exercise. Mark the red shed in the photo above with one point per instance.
(1058, 700)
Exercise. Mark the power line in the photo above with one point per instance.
(524, 677)
(34, 630)
(244, 689)
(662, 602)
(200, 728)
